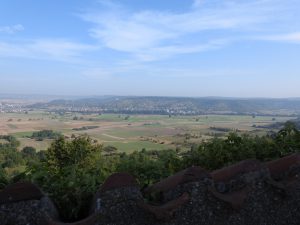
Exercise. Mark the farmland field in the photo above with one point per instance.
(134, 132)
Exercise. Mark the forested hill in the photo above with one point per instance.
(179, 105)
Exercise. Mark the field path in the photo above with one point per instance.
(114, 137)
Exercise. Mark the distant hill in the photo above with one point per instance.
(177, 105)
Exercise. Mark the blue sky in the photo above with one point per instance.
(234, 48)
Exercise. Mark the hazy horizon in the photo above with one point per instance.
(192, 48)
(57, 96)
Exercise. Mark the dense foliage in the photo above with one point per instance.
(3, 178)
(150, 166)
(9, 156)
(45, 134)
(71, 171)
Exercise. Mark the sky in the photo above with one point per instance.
(230, 48)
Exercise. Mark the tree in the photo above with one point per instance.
(29, 151)
(50, 134)
(142, 166)
(110, 149)
(288, 138)
(63, 153)
(3, 178)
(71, 173)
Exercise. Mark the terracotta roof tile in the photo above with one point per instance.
(118, 180)
(20, 191)
(282, 165)
(190, 174)
(227, 173)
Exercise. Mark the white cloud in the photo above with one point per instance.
(150, 35)
(289, 37)
(60, 48)
(11, 29)
(164, 52)
(47, 49)
(153, 35)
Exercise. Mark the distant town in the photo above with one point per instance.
(158, 106)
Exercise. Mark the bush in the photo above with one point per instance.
(71, 173)
(3, 178)
(29, 151)
(41, 135)
(217, 153)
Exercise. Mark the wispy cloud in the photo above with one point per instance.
(289, 37)
(46, 49)
(11, 29)
(145, 36)
(154, 35)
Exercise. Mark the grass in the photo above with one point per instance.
(126, 134)
(15, 170)
(12, 126)
(136, 146)
(38, 145)
(132, 133)
(22, 134)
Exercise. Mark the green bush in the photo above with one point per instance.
(71, 173)
(3, 178)
(41, 135)
(217, 153)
